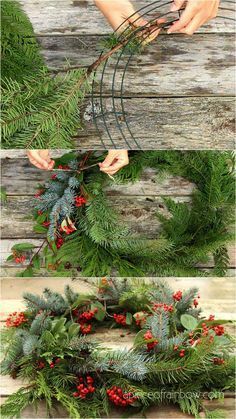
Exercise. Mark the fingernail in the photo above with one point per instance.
(173, 8)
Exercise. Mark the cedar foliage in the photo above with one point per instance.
(157, 376)
(20, 52)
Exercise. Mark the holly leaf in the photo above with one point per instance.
(73, 330)
(3, 194)
(11, 257)
(139, 338)
(36, 262)
(59, 326)
(40, 229)
(23, 247)
(189, 322)
(41, 218)
(27, 273)
(100, 314)
(129, 318)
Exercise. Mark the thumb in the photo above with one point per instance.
(108, 161)
(177, 5)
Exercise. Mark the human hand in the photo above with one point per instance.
(116, 12)
(41, 159)
(115, 160)
(196, 13)
(122, 12)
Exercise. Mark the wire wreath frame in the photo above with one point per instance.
(106, 121)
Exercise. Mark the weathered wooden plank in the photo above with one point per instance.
(169, 123)
(22, 154)
(82, 17)
(217, 293)
(180, 123)
(6, 245)
(165, 412)
(171, 66)
(28, 177)
(9, 271)
(138, 213)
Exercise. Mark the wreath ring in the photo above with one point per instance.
(102, 116)
(83, 232)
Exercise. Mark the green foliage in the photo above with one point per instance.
(190, 233)
(20, 52)
(44, 112)
(51, 351)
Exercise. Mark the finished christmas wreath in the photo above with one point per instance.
(176, 356)
(83, 232)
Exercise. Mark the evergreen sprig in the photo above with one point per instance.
(49, 347)
(20, 52)
(42, 108)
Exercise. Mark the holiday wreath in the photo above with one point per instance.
(83, 232)
(177, 354)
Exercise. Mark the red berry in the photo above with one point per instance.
(177, 296)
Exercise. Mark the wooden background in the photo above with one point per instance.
(178, 92)
(136, 203)
(217, 297)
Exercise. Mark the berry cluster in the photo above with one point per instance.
(85, 387)
(61, 167)
(39, 193)
(218, 361)
(80, 201)
(120, 319)
(68, 229)
(182, 353)
(119, 398)
(19, 258)
(86, 316)
(46, 224)
(219, 330)
(40, 365)
(53, 363)
(59, 242)
(85, 329)
(140, 318)
(148, 335)
(177, 295)
(164, 306)
(16, 319)
(195, 302)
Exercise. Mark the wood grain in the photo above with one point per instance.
(179, 123)
(170, 66)
(29, 177)
(82, 17)
(217, 294)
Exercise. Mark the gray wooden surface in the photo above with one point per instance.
(217, 298)
(136, 203)
(178, 92)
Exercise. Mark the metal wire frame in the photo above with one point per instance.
(143, 12)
